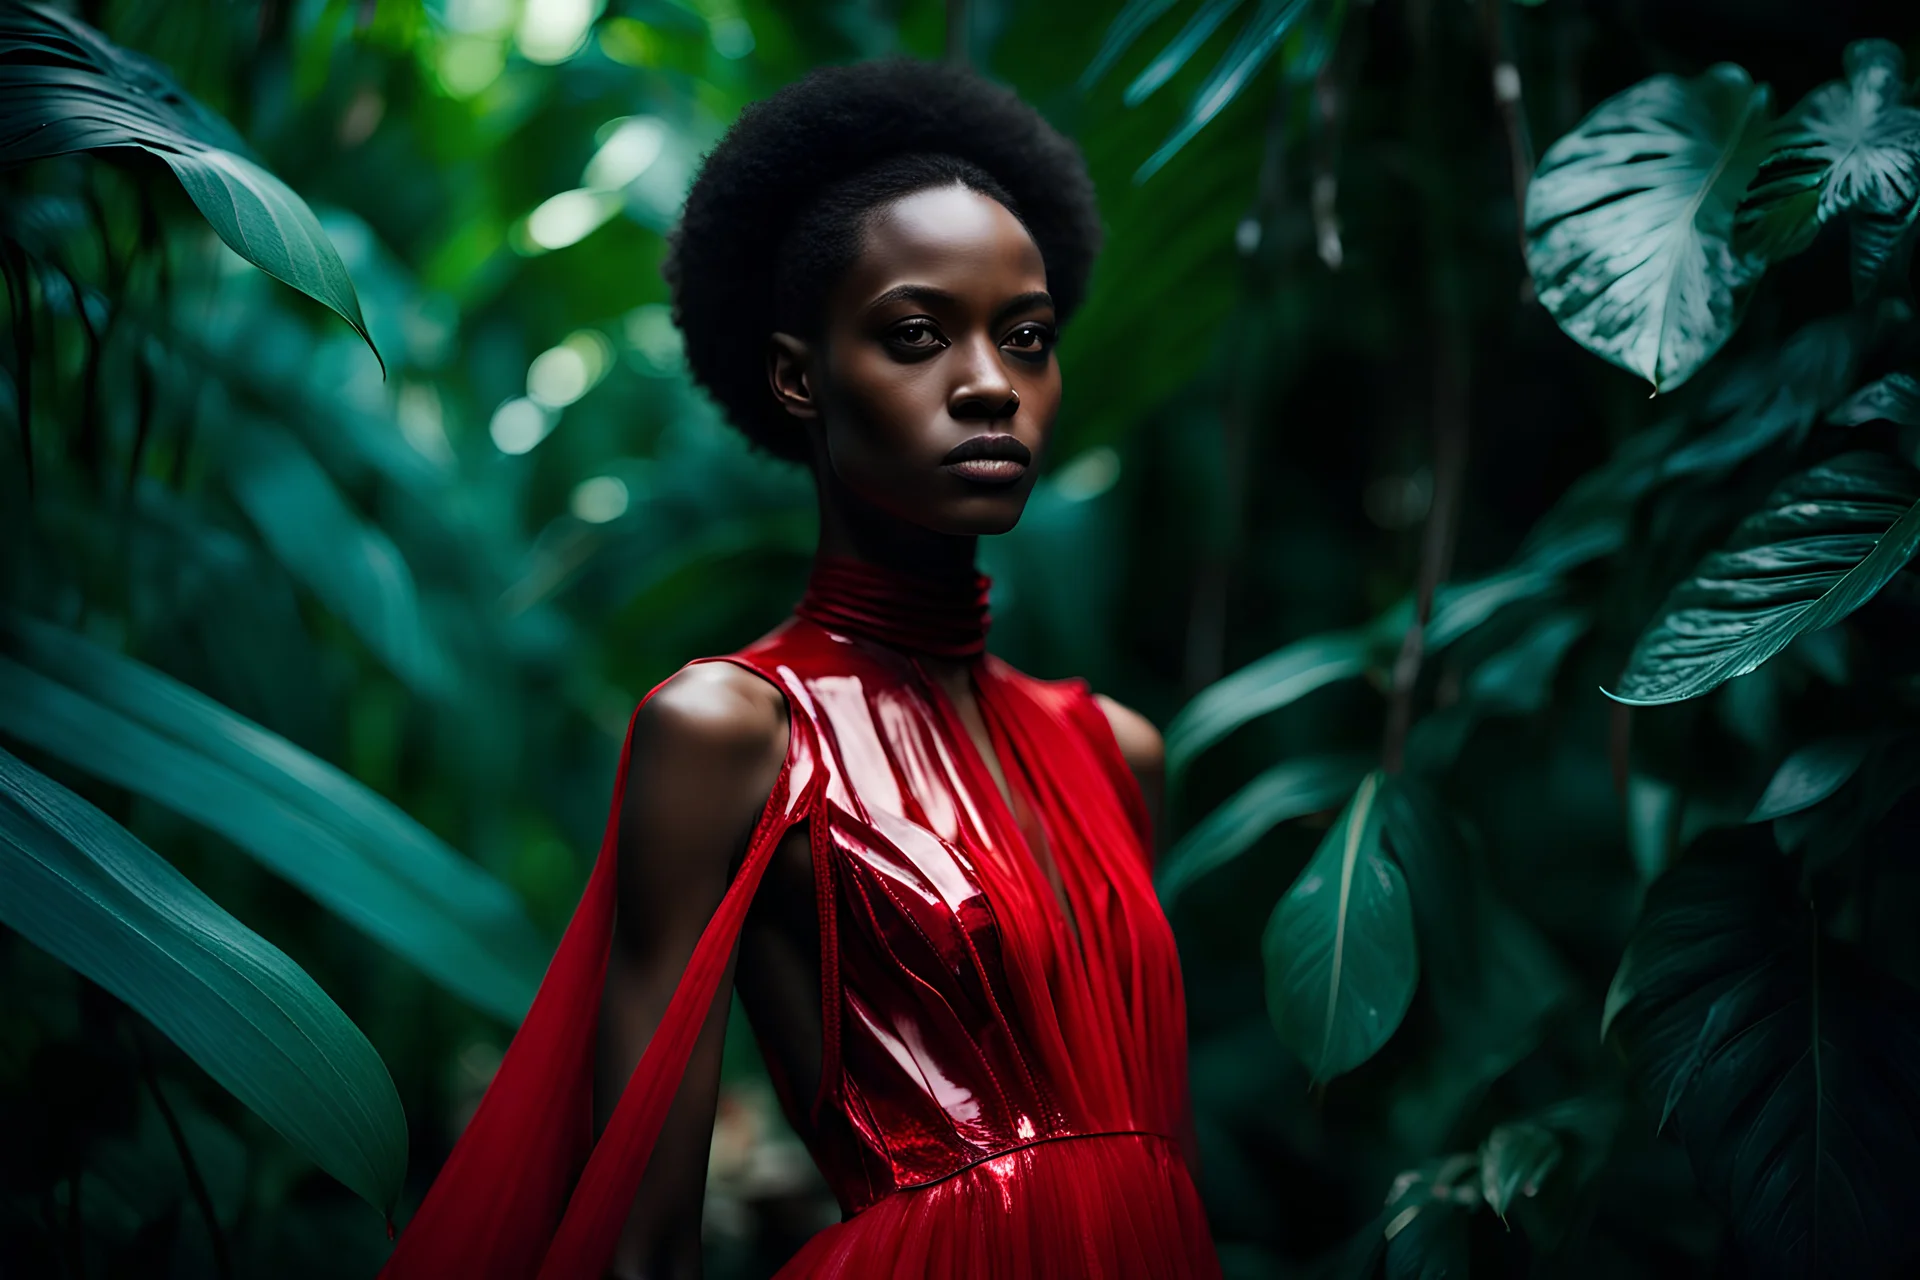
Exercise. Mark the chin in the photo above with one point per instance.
(976, 518)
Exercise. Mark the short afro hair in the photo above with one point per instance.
(777, 212)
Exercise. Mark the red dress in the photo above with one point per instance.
(1003, 1078)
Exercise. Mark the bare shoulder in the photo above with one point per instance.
(716, 709)
(1139, 741)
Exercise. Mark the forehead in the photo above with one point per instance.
(951, 236)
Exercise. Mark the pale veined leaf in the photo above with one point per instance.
(82, 888)
(354, 851)
(1851, 144)
(1248, 53)
(1791, 1069)
(1630, 222)
(351, 565)
(1290, 789)
(1340, 952)
(1894, 398)
(1826, 542)
(67, 88)
(1281, 677)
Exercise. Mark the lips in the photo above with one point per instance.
(989, 459)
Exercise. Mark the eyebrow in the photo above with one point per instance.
(926, 293)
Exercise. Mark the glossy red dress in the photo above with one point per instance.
(1004, 1068)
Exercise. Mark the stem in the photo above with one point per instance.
(1506, 95)
(197, 1185)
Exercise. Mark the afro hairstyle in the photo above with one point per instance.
(778, 209)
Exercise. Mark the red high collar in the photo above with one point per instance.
(943, 619)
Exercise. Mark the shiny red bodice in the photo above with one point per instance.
(978, 1007)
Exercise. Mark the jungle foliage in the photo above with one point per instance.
(1545, 895)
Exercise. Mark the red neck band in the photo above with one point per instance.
(943, 619)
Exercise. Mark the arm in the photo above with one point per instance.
(707, 749)
(1145, 754)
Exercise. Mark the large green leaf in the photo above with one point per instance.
(1894, 398)
(1340, 952)
(1792, 1071)
(1851, 144)
(1287, 790)
(81, 887)
(1274, 681)
(1826, 542)
(1514, 1161)
(1249, 52)
(1810, 775)
(66, 88)
(350, 564)
(352, 850)
(1630, 222)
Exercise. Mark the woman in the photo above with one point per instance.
(936, 870)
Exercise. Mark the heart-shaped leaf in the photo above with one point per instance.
(67, 88)
(1794, 1070)
(1826, 542)
(82, 888)
(1289, 789)
(302, 818)
(1630, 222)
(1340, 952)
(1852, 144)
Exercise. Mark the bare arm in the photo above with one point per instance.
(706, 752)
(1145, 754)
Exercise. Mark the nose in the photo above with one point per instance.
(981, 389)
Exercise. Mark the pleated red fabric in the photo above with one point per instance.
(1003, 1088)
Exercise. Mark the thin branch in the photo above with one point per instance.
(1507, 97)
(197, 1185)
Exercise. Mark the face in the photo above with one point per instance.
(933, 390)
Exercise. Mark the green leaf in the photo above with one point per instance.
(1630, 218)
(1340, 953)
(1182, 47)
(1826, 542)
(1248, 53)
(1775, 396)
(350, 564)
(354, 851)
(1894, 398)
(1804, 1065)
(80, 887)
(66, 89)
(1810, 775)
(1849, 145)
(1281, 677)
(1514, 1161)
(1128, 25)
(1289, 789)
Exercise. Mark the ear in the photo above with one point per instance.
(789, 373)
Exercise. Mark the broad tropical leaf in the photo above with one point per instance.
(1630, 222)
(1894, 398)
(1266, 685)
(1289, 789)
(1810, 775)
(1793, 1070)
(350, 564)
(80, 887)
(352, 850)
(1340, 951)
(1849, 145)
(66, 88)
(1826, 542)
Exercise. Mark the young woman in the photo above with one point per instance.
(928, 874)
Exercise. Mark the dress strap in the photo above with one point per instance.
(507, 1205)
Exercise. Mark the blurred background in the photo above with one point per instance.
(335, 651)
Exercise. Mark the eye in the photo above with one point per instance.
(916, 335)
(1030, 339)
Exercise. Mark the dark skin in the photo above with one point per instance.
(942, 330)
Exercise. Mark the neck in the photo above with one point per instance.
(853, 529)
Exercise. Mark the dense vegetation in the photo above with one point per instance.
(1544, 753)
